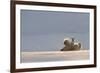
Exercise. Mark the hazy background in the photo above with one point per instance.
(45, 30)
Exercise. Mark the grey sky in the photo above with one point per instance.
(42, 22)
(45, 30)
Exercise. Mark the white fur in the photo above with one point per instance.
(76, 43)
(69, 39)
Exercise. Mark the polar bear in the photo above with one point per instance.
(70, 45)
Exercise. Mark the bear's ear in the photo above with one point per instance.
(79, 45)
(73, 39)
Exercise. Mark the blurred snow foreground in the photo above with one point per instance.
(71, 44)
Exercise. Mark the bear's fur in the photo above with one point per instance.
(71, 45)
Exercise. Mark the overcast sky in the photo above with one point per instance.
(43, 22)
